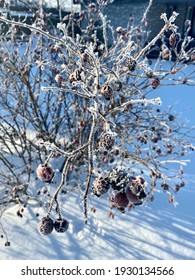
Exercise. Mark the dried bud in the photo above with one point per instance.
(119, 179)
(106, 141)
(58, 78)
(177, 187)
(106, 92)
(132, 197)
(149, 73)
(131, 64)
(171, 118)
(118, 85)
(174, 39)
(155, 83)
(92, 5)
(165, 186)
(165, 53)
(75, 76)
(137, 186)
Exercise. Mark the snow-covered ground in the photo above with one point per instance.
(158, 230)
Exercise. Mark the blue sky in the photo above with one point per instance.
(182, 98)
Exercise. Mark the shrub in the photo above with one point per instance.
(82, 102)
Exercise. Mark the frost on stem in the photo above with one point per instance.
(83, 105)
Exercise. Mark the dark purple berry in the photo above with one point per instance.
(121, 201)
(45, 226)
(107, 92)
(61, 225)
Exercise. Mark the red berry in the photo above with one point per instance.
(151, 198)
(174, 39)
(58, 78)
(177, 187)
(7, 243)
(180, 172)
(155, 83)
(132, 198)
(165, 186)
(75, 76)
(170, 200)
(168, 131)
(84, 57)
(120, 200)
(165, 53)
(105, 159)
(45, 172)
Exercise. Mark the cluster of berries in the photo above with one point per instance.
(45, 173)
(128, 190)
(47, 225)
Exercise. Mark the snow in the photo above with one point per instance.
(158, 231)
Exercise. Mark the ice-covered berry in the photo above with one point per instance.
(131, 64)
(118, 179)
(155, 83)
(106, 141)
(137, 185)
(107, 92)
(58, 78)
(75, 76)
(174, 39)
(45, 172)
(61, 225)
(132, 198)
(100, 186)
(121, 201)
(46, 226)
